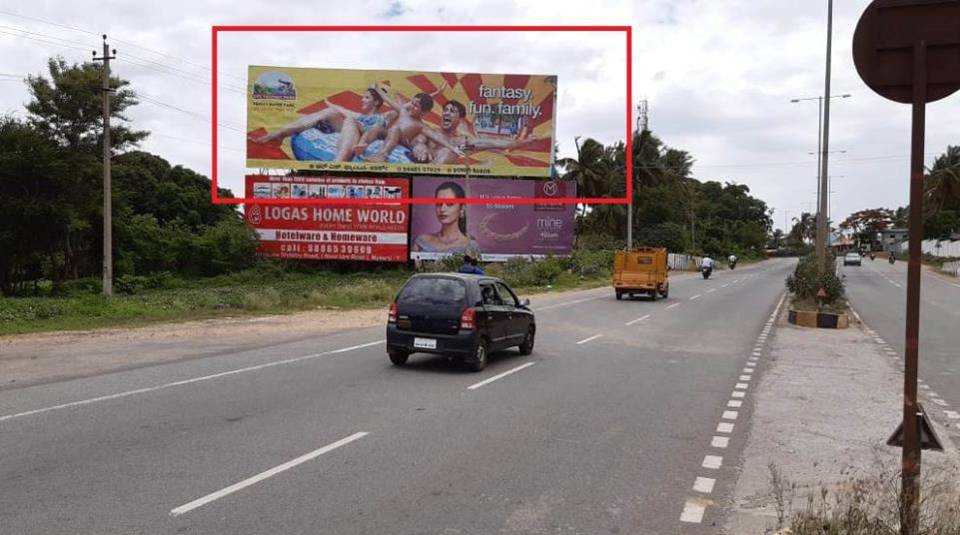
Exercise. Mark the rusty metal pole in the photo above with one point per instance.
(910, 493)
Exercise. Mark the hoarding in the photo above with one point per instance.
(497, 231)
(400, 121)
(369, 232)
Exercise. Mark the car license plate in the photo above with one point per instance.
(425, 343)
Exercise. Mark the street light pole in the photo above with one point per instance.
(822, 215)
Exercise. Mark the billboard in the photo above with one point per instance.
(401, 121)
(368, 232)
(495, 231)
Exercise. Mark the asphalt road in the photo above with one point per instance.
(605, 428)
(878, 291)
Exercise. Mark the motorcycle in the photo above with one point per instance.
(706, 271)
(733, 264)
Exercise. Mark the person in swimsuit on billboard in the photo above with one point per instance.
(404, 127)
(452, 236)
(350, 124)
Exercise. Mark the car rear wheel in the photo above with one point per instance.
(479, 361)
(527, 346)
(398, 358)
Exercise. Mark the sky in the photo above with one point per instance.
(718, 78)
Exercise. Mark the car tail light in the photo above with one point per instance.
(392, 318)
(468, 319)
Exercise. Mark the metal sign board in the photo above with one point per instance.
(883, 47)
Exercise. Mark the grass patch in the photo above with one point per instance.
(268, 288)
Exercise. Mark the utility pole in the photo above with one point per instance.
(107, 192)
(822, 209)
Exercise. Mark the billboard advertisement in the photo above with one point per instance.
(496, 232)
(401, 121)
(368, 232)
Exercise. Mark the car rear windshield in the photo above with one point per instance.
(433, 291)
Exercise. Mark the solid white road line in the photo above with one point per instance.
(585, 340)
(638, 320)
(720, 442)
(713, 462)
(704, 485)
(673, 305)
(693, 512)
(695, 297)
(200, 502)
(185, 381)
(500, 376)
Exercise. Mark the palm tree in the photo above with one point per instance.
(942, 183)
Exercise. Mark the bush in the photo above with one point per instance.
(807, 280)
(230, 245)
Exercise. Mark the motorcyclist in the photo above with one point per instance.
(892, 258)
(732, 260)
(706, 266)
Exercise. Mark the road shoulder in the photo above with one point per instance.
(824, 408)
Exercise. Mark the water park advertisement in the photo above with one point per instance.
(401, 121)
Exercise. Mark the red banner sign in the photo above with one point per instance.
(370, 232)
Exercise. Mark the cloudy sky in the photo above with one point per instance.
(718, 77)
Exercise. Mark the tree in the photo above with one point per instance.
(67, 107)
(864, 225)
(942, 183)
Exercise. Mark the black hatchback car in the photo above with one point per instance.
(458, 315)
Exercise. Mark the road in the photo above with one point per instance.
(629, 417)
(878, 291)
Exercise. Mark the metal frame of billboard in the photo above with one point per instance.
(627, 30)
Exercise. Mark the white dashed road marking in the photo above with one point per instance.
(720, 442)
(500, 376)
(585, 340)
(724, 427)
(638, 320)
(713, 462)
(704, 485)
(187, 381)
(693, 512)
(673, 305)
(200, 502)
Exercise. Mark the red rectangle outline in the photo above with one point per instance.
(420, 200)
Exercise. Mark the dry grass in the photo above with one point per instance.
(868, 505)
